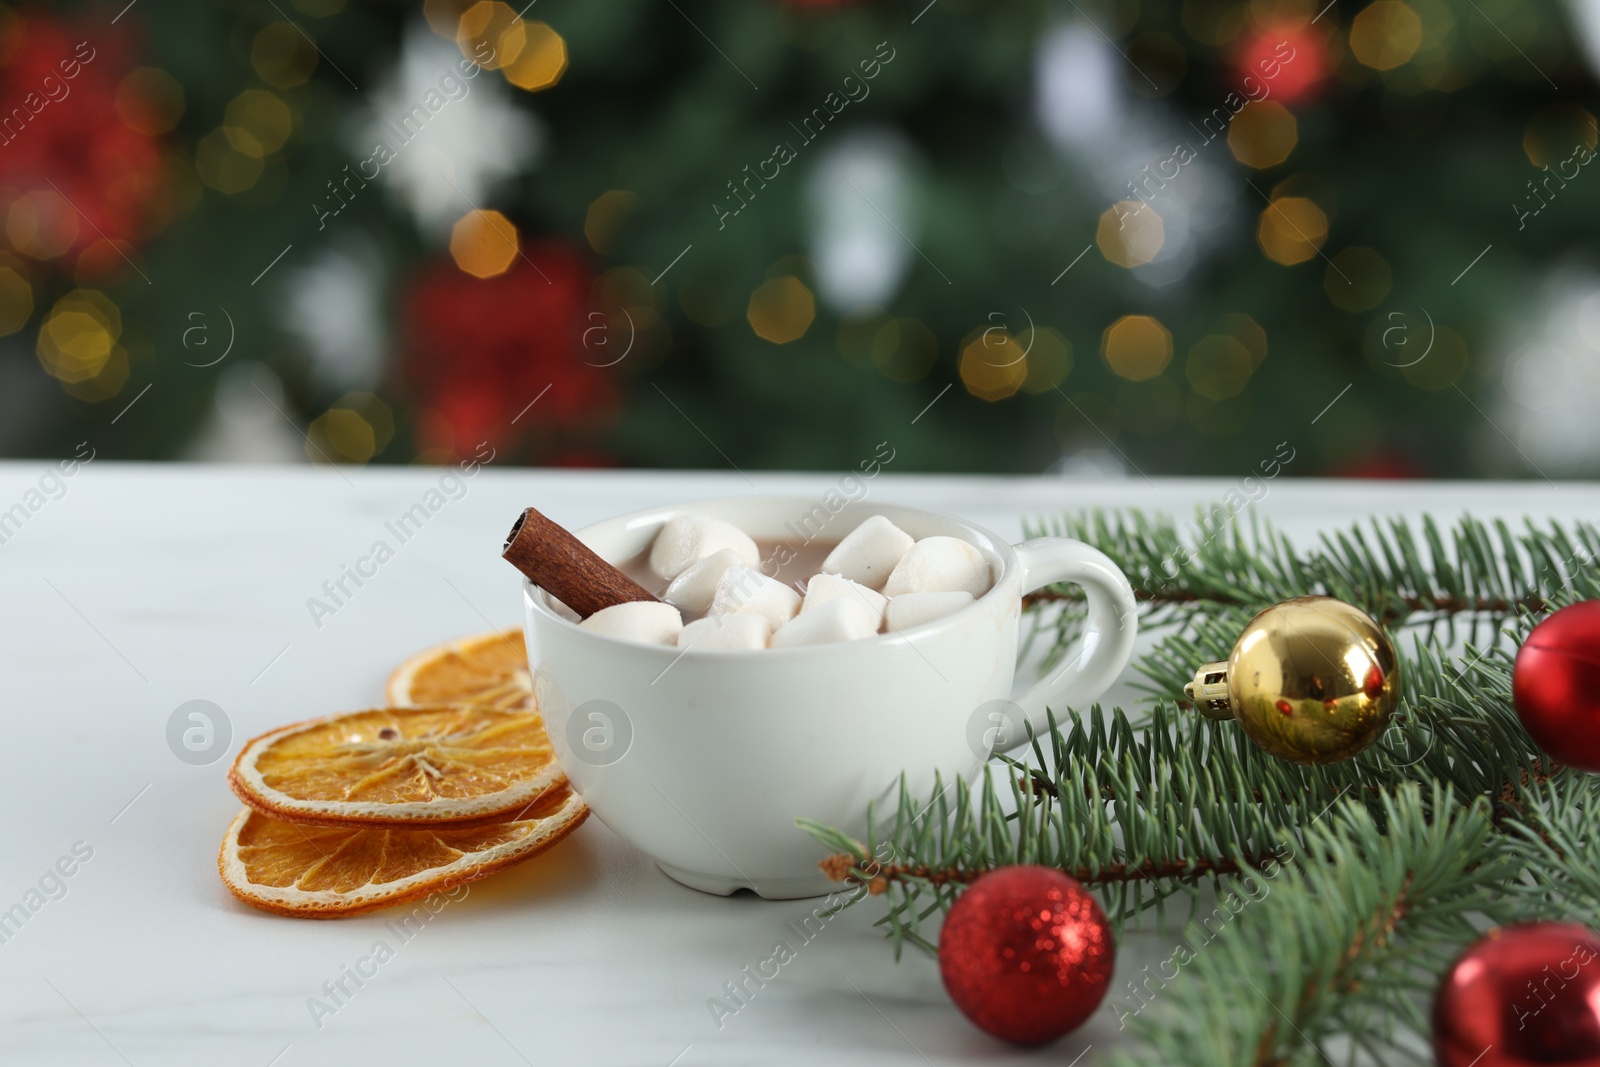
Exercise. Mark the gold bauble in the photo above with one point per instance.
(1311, 680)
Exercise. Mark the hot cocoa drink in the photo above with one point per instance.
(719, 588)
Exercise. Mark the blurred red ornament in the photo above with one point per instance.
(1524, 996)
(72, 173)
(1555, 685)
(1026, 953)
(482, 350)
(1287, 60)
(1383, 466)
(583, 458)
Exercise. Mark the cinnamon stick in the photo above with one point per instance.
(566, 568)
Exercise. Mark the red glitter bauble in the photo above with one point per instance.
(1525, 996)
(1026, 953)
(1556, 685)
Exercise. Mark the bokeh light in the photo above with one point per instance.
(626, 287)
(282, 56)
(1357, 279)
(1218, 367)
(1263, 134)
(78, 336)
(781, 309)
(902, 350)
(1130, 233)
(1385, 34)
(444, 16)
(347, 433)
(16, 300)
(605, 217)
(1291, 230)
(862, 331)
(1555, 133)
(1285, 53)
(1136, 347)
(354, 430)
(104, 260)
(1444, 364)
(1049, 359)
(1246, 331)
(149, 101)
(113, 375)
(257, 123)
(42, 224)
(540, 62)
(491, 34)
(993, 364)
(626, 318)
(223, 167)
(483, 243)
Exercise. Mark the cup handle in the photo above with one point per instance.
(1107, 642)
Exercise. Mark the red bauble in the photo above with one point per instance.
(1283, 63)
(1525, 996)
(1556, 685)
(1026, 953)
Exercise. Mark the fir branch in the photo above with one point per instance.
(1552, 835)
(1341, 943)
(1475, 573)
(1453, 813)
(1400, 608)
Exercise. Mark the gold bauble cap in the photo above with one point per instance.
(1311, 680)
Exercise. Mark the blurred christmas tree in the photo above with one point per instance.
(1140, 237)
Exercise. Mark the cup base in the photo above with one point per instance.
(817, 885)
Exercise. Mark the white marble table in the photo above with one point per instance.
(144, 587)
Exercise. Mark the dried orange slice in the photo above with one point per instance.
(400, 768)
(487, 669)
(318, 872)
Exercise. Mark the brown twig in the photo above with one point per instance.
(1374, 933)
(1395, 609)
(840, 868)
(1158, 596)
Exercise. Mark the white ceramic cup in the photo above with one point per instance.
(704, 758)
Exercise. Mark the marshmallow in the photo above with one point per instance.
(649, 621)
(745, 589)
(693, 589)
(837, 620)
(727, 631)
(914, 609)
(868, 554)
(939, 565)
(688, 539)
(823, 588)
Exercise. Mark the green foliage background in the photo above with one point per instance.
(1422, 175)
